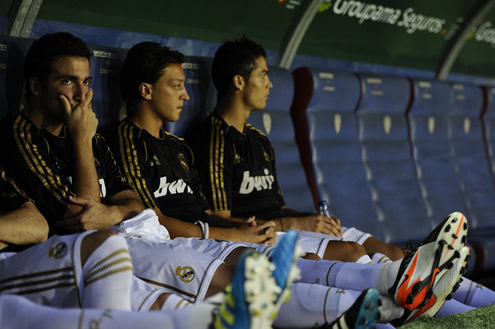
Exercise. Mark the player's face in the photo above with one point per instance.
(169, 93)
(70, 77)
(258, 87)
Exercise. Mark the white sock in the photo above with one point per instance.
(349, 275)
(365, 259)
(384, 326)
(389, 310)
(313, 305)
(315, 271)
(107, 276)
(474, 294)
(174, 302)
(387, 276)
(379, 258)
(18, 312)
(453, 307)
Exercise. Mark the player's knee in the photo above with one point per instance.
(353, 251)
(344, 251)
(311, 256)
(92, 241)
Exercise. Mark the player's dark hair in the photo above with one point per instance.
(145, 62)
(236, 57)
(45, 51)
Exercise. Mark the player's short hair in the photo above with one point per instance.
(45, 51)
(237, 57)
(144, 62)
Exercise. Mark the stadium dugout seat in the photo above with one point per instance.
(387, 158)
(489, 126)
(470, 152)
(327, 136)
(201, 92)
(275, 122)
(105, 70)
(436, 168)
(433, 155)
(12, 53)
(466, 137)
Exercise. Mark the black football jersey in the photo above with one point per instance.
(238, 170)
(161, 171)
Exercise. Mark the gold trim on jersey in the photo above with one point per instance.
(35, 162)
(216, 155)
(172, 135)
(130, 162)
(251, 127)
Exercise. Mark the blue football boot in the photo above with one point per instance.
(363, 314)
(251, 297)
(284, 257)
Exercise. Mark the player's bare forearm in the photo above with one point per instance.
(127, 204)
(24, 225)
(95, 215)
(313, 223)
(227, 216)
(288, 212)
(218, 221)
(85, 182)
(81, 123)
(178, 228)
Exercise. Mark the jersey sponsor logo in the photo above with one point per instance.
(175, 187)
(58, 251)
(185, 274)
(259, 183)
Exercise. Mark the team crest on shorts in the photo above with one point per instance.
(185, 274)
(58, 251)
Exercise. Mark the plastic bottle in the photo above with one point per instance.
(324, 210)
